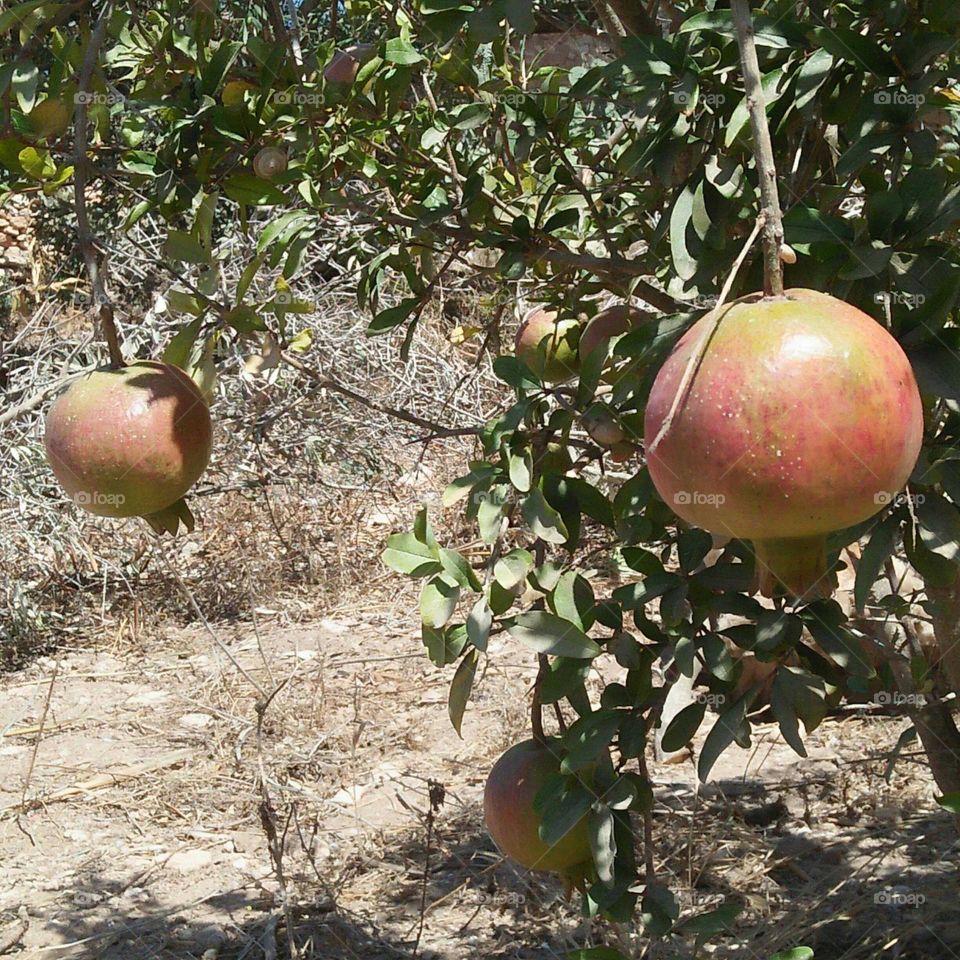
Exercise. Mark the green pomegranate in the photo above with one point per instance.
(548, 346)
(802, 417)
(131, 441)
(514, 824)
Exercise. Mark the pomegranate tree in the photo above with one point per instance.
(801, 417)
(513, 820)
(129, 442)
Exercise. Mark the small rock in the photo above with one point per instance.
(186, 861)
(136, 894)
(196, 721)
(85, 899)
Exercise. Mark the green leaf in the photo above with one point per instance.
(684, 262)
(548, 633)
(460, 689)
(811, 77)
(478, 624)
(797, 693)
(180, 348)
(938, 523)
(722, 734)
(402, 52)
(545, 522)
(520, 463)
(603, 844)
(589, 736)
(874, 555)
(456, 567)
(794, 953)
(444, 646)
(741, 114)
(573, 599)
(182, 246)
(564, 802)
(824, 619)
(24, 82)
(767, 32)
(252, 191)
(951, 802)
(512, 568)
(596, 953)
(407, 555)
(709, 924)
(859, 49)
(438, 601)
(683, 727)
(393, 316)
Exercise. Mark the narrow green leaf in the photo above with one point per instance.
(548, 633)
(460, 689)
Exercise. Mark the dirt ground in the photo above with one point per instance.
(131, 826)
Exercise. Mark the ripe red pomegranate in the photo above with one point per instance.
(129, 442)
(510, 816)
(801, 418)
(548, 345)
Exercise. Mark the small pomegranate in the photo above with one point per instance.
(608, 323)
(548, 345)
(129, 442)
(513, 822)
(802, 417)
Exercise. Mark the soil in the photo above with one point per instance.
(140, 797)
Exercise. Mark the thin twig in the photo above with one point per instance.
(36, 745)
(85, 237)
(763, 151)
(693, 364)
(326, 382)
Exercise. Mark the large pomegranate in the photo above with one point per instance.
(802, 417)
(510, 816)
(131, 441)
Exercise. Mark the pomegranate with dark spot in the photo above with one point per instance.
(802, 417)
(129, 442)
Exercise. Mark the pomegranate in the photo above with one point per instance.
(607, 324)
(801, 417)
(548, 346)
(129, 442)
(345, 64)
(510, 816)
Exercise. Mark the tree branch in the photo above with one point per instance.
(326, 382)
(763, 151)
(85, 237)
